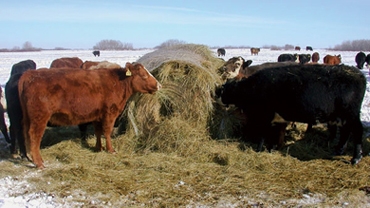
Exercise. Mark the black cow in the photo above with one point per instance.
(288, 57)
(302, 93)
(96, 53)
(367, 60)
(14, 108)
(360, 59)
(304, 58)
(309, 48)
(221, 52)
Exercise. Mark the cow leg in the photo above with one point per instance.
(357, 132)
(98, 132)
(276, 136)
(83, 130)
(108, 128)
(342, 144)
(34, 142)
(13, 137)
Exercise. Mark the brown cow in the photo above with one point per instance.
(297, 48)
(315, 57)
(73, 62)
(71, 96)
(332, 60)
(255, 51)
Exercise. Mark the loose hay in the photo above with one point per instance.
(168, 157)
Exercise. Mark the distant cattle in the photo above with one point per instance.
(233, 66)
(297, 48)
(304, 58)
(303, 93)
(71, 96)
(96, 53)
(14, 109)
(221, 52)
(66, 62)
(360, 59)
(255, 51)
(309, 48)
(332, 60)
(315, 57)
(288, 57)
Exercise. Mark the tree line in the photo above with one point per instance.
(349, 45)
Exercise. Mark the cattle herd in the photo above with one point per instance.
(294, 89)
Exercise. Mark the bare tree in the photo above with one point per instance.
(27, 46)
(113, 45)
(354, 45)
(170, 43)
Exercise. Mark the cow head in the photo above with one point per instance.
(142, 80)
(233, 66)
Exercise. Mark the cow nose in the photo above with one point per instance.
(159, 86)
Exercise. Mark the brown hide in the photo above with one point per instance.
(255, 51)
(73, 62)
(315, 57)
(71, 96)
(89, 64)
(332, 60)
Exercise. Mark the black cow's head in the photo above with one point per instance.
(226, 94)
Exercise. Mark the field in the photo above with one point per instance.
(184, 167)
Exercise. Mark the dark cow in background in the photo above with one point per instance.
(66, 62)
(14, 109)
(309, 48)
(288, 57)
(76, 96)
(255, 51)
(297, 48)
(221, 52)
(233, 66)
(304, 58)
(303, 93)
(332, 60)
(3, 127)
(96, 53)
(315, 57)
(360, 59)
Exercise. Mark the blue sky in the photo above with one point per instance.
(81, 24)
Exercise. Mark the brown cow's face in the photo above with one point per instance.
(232, 67)
(143, 80)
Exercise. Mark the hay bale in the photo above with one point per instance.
(188, 74)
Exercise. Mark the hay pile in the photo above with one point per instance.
(176, 117)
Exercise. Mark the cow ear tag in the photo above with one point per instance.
(128, 73)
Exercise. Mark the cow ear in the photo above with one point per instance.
(128, 66)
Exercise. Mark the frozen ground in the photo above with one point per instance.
(12, 192)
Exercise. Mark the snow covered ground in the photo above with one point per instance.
(10, 186)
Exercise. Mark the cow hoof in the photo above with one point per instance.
(355, 161)
(112, 151)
